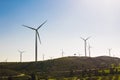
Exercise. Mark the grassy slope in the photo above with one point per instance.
(61, 64)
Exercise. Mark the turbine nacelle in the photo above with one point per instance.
(85, 39)
(35, 28)
(21, 51)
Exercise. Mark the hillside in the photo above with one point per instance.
(61, 65)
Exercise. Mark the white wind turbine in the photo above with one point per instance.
(89, 49)
(21, 52)
(36, 36)
(85, 44)
(109, 52)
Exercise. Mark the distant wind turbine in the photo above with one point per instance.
(51, 58)
(43, 57)
(21, 52)
(78, 53)
(36, 36)
(85, 44)
(89, 48)
(109, 52)
(62, 53)
(6, 60)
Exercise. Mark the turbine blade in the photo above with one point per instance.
(39, 37)
(88, 38)
(42, 24)
(19, 51)
(23, 51)
(82, 38)
(29, 27)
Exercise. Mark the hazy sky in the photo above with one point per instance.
(67, 21)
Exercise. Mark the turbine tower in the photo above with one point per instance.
(21, 52)
(85, 44)
(36, 36)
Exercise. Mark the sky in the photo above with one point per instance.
(67, 21)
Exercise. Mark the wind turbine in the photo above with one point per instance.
(89, 48)
(43, 57)
(36, 36)
(85, 44)
(109, 52)
(62, 53)
(78, 54)
(6, 60)
(51, 58)
(21, 52)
